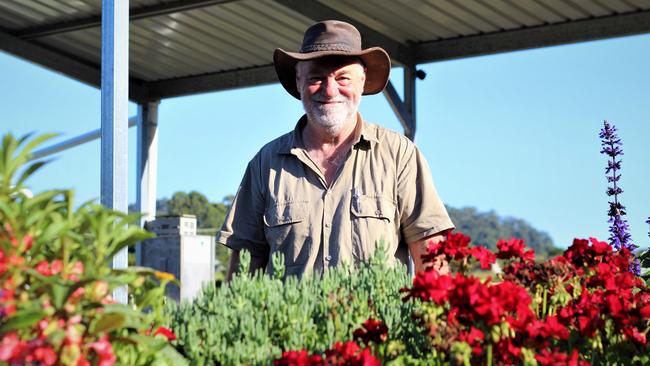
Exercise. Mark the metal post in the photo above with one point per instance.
(115, 100)
(409, 99)
(147, 166)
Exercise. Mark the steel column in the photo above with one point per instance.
(409, 99)
(147, 166)
(404, 110)
(115, 109)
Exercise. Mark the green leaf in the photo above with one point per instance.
(107, 322)
(22, 319)
(59, 294)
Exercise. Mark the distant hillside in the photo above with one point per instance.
(486, 228)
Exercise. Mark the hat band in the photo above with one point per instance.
(327, 47)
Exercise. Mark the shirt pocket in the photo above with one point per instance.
(373, 220)
(286, 231)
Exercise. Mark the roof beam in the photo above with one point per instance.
(135, 14)
(69, 66)
(212, 82)
(542, 36)
(400, 53)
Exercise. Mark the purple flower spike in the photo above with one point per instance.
(618, 228)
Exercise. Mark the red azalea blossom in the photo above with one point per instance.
(166, 332)
(372, 331)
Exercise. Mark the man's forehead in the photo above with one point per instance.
(328, 64)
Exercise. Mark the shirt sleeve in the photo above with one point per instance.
(422, 213)
(243, 227)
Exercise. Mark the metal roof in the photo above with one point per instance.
(180, 47)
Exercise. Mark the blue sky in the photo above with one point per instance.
(516, 133)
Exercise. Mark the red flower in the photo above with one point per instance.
(350, 354)
(43, 267)
(372, 331)
(104, 351)
(483, 255)
(474, 338)
(430, 286)
(557, 358)
(12, 349)
(514, 248)
(455, 247)
(298, 358)
(166, 332)
(45, 355)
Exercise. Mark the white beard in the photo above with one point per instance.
(332, 117)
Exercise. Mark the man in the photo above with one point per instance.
(331, 190)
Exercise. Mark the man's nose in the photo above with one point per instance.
(330, 87)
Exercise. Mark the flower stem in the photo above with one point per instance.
(489, 355)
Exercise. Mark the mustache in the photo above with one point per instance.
(340, 99)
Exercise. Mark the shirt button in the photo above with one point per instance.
(328, 258)
(378, 213)
(327, 224)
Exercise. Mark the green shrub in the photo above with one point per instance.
(56, 280)
(254, 318)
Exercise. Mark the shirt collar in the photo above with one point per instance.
(367, 135)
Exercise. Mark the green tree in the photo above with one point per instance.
(208, 215)
(486, 228)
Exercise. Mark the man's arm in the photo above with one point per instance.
(419, 248)
(233, 265)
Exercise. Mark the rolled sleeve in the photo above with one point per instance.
(243, 227)
(422, 213)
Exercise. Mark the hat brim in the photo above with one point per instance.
(375, 59)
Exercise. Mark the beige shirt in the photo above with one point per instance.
(383, 193)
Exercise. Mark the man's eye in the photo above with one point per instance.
(314, 81)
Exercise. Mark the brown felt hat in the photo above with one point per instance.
(333, 38)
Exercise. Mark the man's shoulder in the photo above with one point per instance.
(279, 145)
(387, 138)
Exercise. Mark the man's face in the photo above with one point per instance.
(330, 90)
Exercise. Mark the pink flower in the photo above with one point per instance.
(104, 351)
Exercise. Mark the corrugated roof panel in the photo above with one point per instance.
(541, 10)
(491, 14)
(357, 11)
(438, 18)
(222, 40)
(260, 17)
(397, 17)
(208, 53)
(516, 13)
(86, 44)
(640, 4)
(22, 14)
(567, 9)
(77, 44)
(617, 6)
(172, 45)
(454, 9)
(592, 8)
(219, 45)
